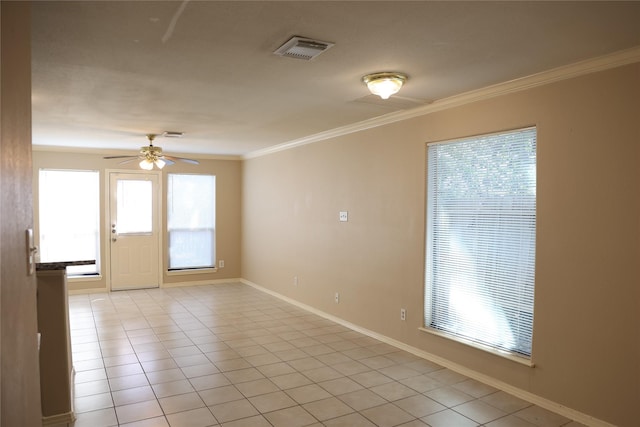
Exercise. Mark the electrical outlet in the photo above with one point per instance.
(295, 280)
(403, 314)
(343, 216)
(221, 263)
(336, 297)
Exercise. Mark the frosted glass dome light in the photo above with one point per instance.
(384, 84)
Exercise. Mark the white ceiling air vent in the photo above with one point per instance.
(172, 134)
(302, 48)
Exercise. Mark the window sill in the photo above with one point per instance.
(191, 271)
(87, 278)
(510, 356)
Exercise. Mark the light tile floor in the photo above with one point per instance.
(229, 355)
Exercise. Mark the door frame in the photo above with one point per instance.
(107, 221)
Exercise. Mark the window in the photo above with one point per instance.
(134, 206)
(69, 212)
(481, 229)
(191, 219)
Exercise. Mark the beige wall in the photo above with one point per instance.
(228, 197)
(587, 306)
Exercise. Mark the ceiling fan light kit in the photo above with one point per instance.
(147, 164)
(384, 84)
(152, 155)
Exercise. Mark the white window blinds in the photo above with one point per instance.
(481, 229)
(69, 218)
(191, 219)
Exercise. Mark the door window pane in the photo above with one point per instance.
(69, 217)
(191, 219)
(135, 207)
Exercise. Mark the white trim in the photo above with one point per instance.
(87, 291)
(616, 59)
(164, 285)
(509, 130)
(509, 356)
(115, 152)
(64, 418)
(77, 279)
(200, 283)
(188, 271)
(72, 381)
(522, 394)
(161, 221)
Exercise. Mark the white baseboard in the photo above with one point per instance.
(500, 385)
(65, 418)
(199, 283)
(87, 291)
(162, 286)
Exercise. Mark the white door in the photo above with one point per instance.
(135, 236)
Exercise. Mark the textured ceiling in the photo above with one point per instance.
(107, 73)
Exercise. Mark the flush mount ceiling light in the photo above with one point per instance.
(384, 84)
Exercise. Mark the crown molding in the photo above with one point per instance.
(112, 152)
(614, 60)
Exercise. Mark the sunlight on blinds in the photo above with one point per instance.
(481, 230)
(191, 219)
(69, 216)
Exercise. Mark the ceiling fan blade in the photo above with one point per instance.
(120, 157)
(182, 159)
(124, 162)
(169, 162)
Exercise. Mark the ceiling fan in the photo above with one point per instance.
(151, 155)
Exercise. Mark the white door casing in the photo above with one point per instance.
(134, 230)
